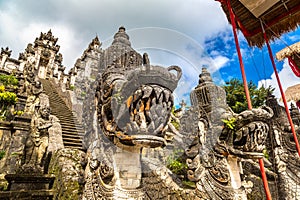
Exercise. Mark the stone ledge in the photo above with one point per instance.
(32, 194)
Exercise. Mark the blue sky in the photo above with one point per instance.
(257, 61)
(190, 34)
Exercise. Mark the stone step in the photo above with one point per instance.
(73, 140)
(72, 134)
(77, 130)
(58, 107)
(71, 124)
(71, 127)
(77, 136)
(73, 144)
(66, 120)
(78, 147)
(66, 117)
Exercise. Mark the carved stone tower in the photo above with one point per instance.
(208, 95)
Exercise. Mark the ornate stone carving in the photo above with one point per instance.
(47, 40)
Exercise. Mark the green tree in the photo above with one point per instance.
(236, 98)
(7, 99)
(8, 80)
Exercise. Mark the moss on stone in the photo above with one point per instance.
(65, 165)
(2, 154)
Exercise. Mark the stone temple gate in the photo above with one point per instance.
(108, 130)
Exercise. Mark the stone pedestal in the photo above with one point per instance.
(29, 182)
(128, 167)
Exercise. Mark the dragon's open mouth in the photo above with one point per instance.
(149, 111)
(135, 106)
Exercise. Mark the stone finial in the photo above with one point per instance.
(59, 58)
(22, 56)
(182, 104)
(272, 103)
(47, 40)
(205, 77)
(6, 51)
(121, 37)
(146, 60)
(96, 41)
(94, 45)
(29, 49)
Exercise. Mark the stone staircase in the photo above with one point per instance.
(72, 130)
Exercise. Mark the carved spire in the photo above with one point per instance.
(94, 45)
(205, 78)
(207, 94)
(96, 41)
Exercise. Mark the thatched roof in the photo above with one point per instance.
(282, 17)
(288, 51)
(292, 93)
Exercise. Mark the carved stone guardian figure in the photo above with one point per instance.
(45, 136)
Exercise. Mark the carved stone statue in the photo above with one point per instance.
(37, 143)
(45, 135)
(33, 91)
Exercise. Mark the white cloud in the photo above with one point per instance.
(287, 79)
(172, 32)
(77, 23)
(219, 62)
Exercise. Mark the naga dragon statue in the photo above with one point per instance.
(133, 107)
